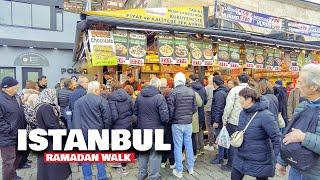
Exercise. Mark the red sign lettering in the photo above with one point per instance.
(165, 60)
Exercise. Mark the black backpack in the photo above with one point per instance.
(295, 154)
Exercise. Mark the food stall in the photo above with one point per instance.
(163, 41)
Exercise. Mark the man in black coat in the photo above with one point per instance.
(92, 112)
(217, 108)
(152, 113)
(199, 88)
(11, 119)
(281, 93)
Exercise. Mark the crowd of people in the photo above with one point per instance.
(184, 108)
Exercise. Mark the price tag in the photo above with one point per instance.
(259, 66)
(165, 60)
(294, 68)
(121, 60)
(208, 63)
(234, 65)
(270, 68)
(249, 65)
(181, 60)
(223, 64)
(277, 68)
(196, 62)
(135, 61)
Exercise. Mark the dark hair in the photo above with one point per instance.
(243, 78)
(193, 77)
(106, 73)
(129, 75)
(67, 83)
(216, 73)
(250, 93)
(218, 80)
(205, 77)
(42, 77)
(129, 89)
(289, 83)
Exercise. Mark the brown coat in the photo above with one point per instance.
(293, 101)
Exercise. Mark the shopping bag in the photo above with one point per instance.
(224, 138)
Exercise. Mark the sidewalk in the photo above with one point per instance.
(203, 171)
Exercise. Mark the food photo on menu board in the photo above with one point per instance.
(270, 59)
(181, 52)
(207, 50)
(259, 58)
(121, 44)
(250, 56)
(277, 60)
(293, 61)
(166, 48)
(196, 51)
(137, 48)
(234, 52)
(223, 54)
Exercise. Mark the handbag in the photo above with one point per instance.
(237, 137)
(281, 121)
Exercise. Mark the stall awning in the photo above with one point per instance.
(229, 34)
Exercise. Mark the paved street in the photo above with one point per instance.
(203, 171)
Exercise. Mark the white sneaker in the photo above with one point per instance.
(177, 174)
(173, 166)
(116, 165)
(163, 165)
(210, 148)
(191, 172)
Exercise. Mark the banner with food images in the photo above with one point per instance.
(293, 61)
(137, 48)
(234, 52)
(207, 50)
(269, 60)
(250, 56)
(166, 48)
(102, 48)
(181, 52)
(277, 60)
(195, 46)
(223, 54)
(260, 58)
(121, 43)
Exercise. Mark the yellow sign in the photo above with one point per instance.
(102, 48)
(181, 16)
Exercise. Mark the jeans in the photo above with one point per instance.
(295, 175)
(209, 128)
(155, 161)
(237, 175)
(182, 136)
(87, 171)
(231, 129)
(10, 162)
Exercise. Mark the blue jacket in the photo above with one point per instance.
(151, 109)
(75, 95)
(273, 104)
(11, 119)
(121, 109)
(281, 93)
(182, 105)
(198, 87)
(218, 103)
(91, 112)
(256, 156)
(311, 142)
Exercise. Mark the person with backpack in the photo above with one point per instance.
(261, 140)
(301, 139)
(48, 117)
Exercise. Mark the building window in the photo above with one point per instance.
(7, 71)
(30, 15)
(40, 16)
(5, 13)
(21, 14)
